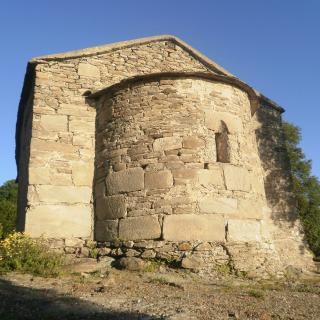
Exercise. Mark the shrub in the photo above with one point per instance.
(18, 252)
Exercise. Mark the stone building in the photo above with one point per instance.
(153, 150)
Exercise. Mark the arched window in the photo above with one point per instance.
(222, 144)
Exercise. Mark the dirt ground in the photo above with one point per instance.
(170, 294)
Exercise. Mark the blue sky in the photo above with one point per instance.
(272, 45)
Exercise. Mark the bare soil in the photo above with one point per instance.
(170, 294)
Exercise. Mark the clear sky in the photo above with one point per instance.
(272, 45)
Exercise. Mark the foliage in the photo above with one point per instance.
(18, 252)
(8, 207)
(306, 187)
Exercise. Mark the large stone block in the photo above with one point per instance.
(236, 178)
(221, 205)
(125, 181)
(193, 142)
(244, 230)
(185, 175)
(88, 70)
(139, 228)
(58, 123)
(63, 194)
(210, 177)
(167, 143)
(187, 227)
(106, 230)
(82, 173)
(39, 175)
(59, 221)
(251, 208)
(109, 208)
(158, 179)
(213, 121)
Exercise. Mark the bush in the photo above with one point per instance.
(8, 207)
(306, 188)
(18, 252)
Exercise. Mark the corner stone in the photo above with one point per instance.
(106, 230)
(109, 208)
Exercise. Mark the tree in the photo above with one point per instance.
(8, 207)
(306, 187)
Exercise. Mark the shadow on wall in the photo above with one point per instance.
(18, 302)
(274, 158)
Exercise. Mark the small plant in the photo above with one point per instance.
(255, 293)
(93, 250)
(18, 252)
(155, 263)
(223, 269)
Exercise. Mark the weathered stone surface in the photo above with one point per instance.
(192, 262)
(66, 194)
(167, 143)
(213, 121)
(236, 178)
(106, 230)
(244, 230)
(139, 228)
(39, 175)
(250, 208)
(88, 70)
(56, 123)
(158, 179)
(211, 177)
(132, 263)
(219, 205)
(193, 142)
(125, 181)
(112, 207)
(82, 174)
(55, 221)
(185, 227)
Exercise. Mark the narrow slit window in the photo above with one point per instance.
(222, 144)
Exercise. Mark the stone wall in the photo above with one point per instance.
(152, 150)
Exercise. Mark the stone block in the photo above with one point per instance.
(211, 177)
(167, 143)
(185, 176)
(88, 70)
(106, 230)
(221, 205)
(59, 221)
(109, 208)
(244, 230)
(213, 121)
(82, 173)
(125, 181)
(193, 142)
(187, 227)
(158, 179)
(139, 228)
(57, 123)
(81, 125)
(63, 194)
(39, 175)
(251, 208)
(236, 178)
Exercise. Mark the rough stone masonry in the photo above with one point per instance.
(147, 148)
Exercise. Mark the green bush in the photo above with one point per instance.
(306, 188)
(18, 252)
(8, 207)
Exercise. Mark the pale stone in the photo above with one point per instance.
(76, 110)
(56, 123)
(82, 174)
(125, 181)
(187, 227)
(250, 208)
(59, 221)
(82, 141)
(106, 230)
(39, 175)
(81, 125)
(167, 143)
(221, 205)
(193, 142)
(158, 180)
(109, 208)
(74, 242)
(210, 177)
(243, 230)
(236, 178)
(67, 194)
(213, 121)
(185, 176)
(139, 228)
(192, 262)
(88, 70)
